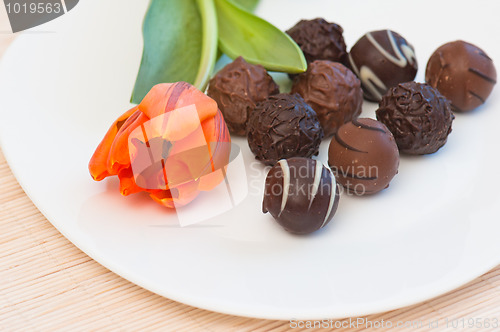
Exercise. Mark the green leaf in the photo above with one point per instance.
(209, 50)
(248, 5)
(180, 44)
(258, 41)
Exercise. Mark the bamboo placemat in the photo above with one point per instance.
(48, 284)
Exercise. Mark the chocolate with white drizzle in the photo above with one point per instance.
(364, 156)
(301, 194)
(382, 59)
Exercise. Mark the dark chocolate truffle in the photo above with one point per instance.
(364, 156)
(301, 194)
(319, 40)
(237, 88)
(418, 116)
(463, 73)
(333, 92)
(283, 126)
(382, 59)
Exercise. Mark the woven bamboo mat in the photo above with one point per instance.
(47, 284)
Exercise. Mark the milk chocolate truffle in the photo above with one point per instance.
(463, 73)
(364, 156)
(382, 59)
(333, 91)
(319, 40)
(237, 88)
(283, 126)
(418, 116)
(301, 194)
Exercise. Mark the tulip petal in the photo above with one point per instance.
(119, 153)
(98, 163)
(166, 97)
(127, 182)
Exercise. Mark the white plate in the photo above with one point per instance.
(434, 229)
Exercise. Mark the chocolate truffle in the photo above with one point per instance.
(333, 91)
(237, 88)
(463, 73)
(382, 59)
(319, 40)
(364, 156)
(418, 116)
(283, 126)
(301, 194)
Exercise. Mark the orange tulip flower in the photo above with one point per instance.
(172, 145)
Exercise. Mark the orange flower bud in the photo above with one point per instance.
(173, 145)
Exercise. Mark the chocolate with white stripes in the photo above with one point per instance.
(301, 194)
(364, 156)
(463, 73)
(381, 59)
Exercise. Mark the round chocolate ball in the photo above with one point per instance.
(418, 116)
(319, 40)
(283, 126)
(333, 91)
(301, 194)
(364, 156)
(382, 59)
(463, 73)
(237, 88)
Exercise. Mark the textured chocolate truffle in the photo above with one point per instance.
(237, 88)
(364, 156)
(333, 91)
(319, 40)
(301, 194)
(382, 59)
(418, 116)
(283, 126)
(463, 73)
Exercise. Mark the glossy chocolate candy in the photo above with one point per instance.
(364, 156)
(463, 73)
(381, 59)
(301, 194)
